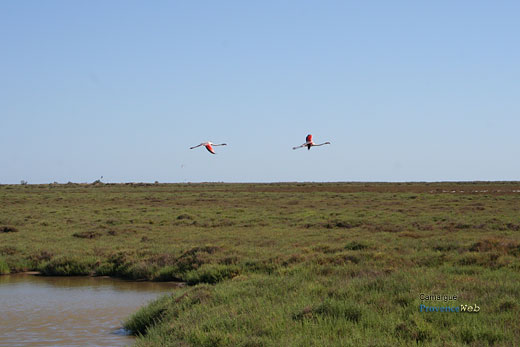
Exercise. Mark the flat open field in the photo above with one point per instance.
(286, 264)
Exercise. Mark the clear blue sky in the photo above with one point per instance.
(404, 90)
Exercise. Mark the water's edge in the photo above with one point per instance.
(42, 310)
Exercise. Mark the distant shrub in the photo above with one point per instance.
(23, 182)
(8, 229)
(422, 226)
(118, 263)
(229, 260)
(193, 258)
(139, 271)
(387, 228)
(87, 234)
(211, 273)
(67, 266)
(262, 266)
(496, 244)
(8, 250)
(168, 273)
(325, 249)
(336, 259)
(40, 257)
(347, 259)
(346, 225)
(411, 235)
(512, 226)
(343, 224)
(468, 259)
(355, 246)
(462, 226)
(445, 247)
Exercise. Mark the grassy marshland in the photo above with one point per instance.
(285, 264)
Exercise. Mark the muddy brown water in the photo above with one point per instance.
(70, 311)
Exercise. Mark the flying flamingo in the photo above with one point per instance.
(309, 143)
(209, 146)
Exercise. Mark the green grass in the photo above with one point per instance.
(338, 264)
(4, 269)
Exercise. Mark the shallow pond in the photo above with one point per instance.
(70, 311)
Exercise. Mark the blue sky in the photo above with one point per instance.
(404, 90)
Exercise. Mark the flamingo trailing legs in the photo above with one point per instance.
(309, 143)
(209, 146)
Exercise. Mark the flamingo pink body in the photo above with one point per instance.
(308, 141)
(209, 148)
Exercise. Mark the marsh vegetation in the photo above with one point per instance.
(285, 264)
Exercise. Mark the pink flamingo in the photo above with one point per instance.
(209, 145)
(309, 143)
